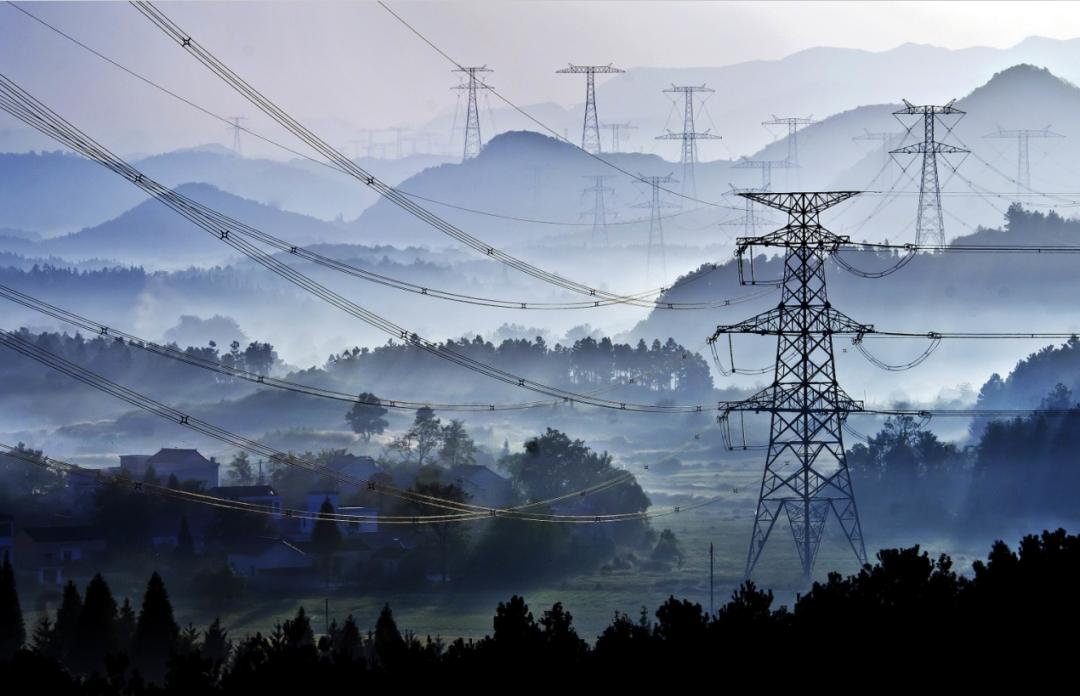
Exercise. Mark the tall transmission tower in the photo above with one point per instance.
(793, 123)
(689, 136)
(473, 142)
(656, 206)
(766, 167)
(749, 219)
(590, 134)
(930, 223)
(887, 140)
(1023, 165)
(236, 128)
(806, 473)
(616, 132)
(599, 211)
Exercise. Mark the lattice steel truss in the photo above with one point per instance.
(806, 474)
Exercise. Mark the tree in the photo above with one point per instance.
(426, 433)
(12, 628)
(366, 416)
(241, 470)
(448, 536)
(54, 642)
(95, 633)
(668, 549)
(216, 645)
(156, 631)
(389, 645)
(457, 447)
(326, 537)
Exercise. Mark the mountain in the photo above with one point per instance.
(56, 192)
(152, 235)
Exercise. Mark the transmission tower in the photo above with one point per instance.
(793, 123)
(236, 128)
(806, 474)
(616, 130)
(599, 211)
(1022, 136)
(749, 219)
(656, 206)
(930, 223)
(590, 134)
(766, 167)
(887, 140)
(689, 136)
(473, 143)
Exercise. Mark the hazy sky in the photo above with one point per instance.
(351, 62)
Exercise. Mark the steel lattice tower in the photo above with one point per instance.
(473, 142)
(599, 211)
(656, 205)
(590, 134)
(1022, 136)
(930, 223)
(689, 136)
(766, 167)
(616, 129)
(793, 123)
(806, 474)
(236, 128)
(887, 140)
(749, 220)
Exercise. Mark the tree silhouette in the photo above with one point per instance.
(326, 537)
(95, 633)
(156, 631)
(366, 417)
(457, 447)
(12, 628)
(389, 645)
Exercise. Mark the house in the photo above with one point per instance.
(259, 557)
(367, 524)
(360, 468)
(264, 496)
(187, 465)
(7, 537)
(483, 486)
(57, 553)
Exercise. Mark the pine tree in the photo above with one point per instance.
(216, 645)
(12, 628)
(156, 631)
(297, 633)
(326, 537)
(95, 632)
(67, 620)
(389, 645)
(125, 627)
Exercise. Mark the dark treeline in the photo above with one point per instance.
(906, 604)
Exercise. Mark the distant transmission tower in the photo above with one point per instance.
(766, 167)
(656, 206)
(599, 211)
(590, 134)
(749, 220)
(236, 128)
(616, 131)
(887, 140)
(793, 123)
(930, 223)
(689, 136)
(806, 473)
(473, 143)
(1023, 165)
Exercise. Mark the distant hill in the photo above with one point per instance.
(56, 192)
(154, 236)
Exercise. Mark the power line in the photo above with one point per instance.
(689, 135)
(590, 133)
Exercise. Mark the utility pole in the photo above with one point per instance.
(616, 132)
(473, 142)
(599, 210)
(806, 473)
(1022, 136)
(712, 605)
(930, 223)
(590, 133)
(236, 128)
(689, 136)
(656, 227)
(793, 123)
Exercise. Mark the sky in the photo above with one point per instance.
(349, 65)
